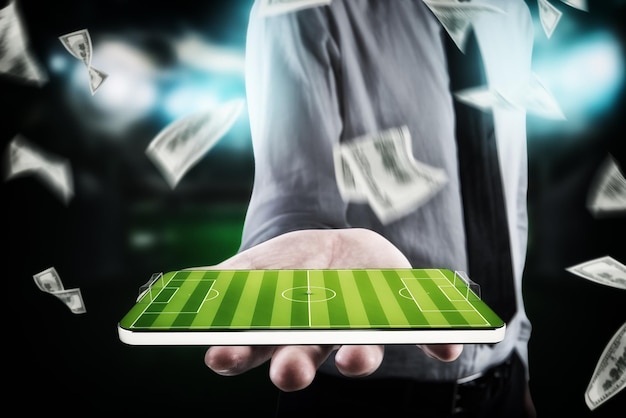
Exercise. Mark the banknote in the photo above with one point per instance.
(549, 16)
(96, 78)
(26, 158)
(456, 17)
(73, 299)
(78, 44)
(607, 192)
(609, 376)
(50, 282)
(275, 7)
(483, 98)
(577, 4)
(348, 188)
(181, 144)
(394, 182)
(22, 157)
(603, 270)
(16, 57)
(532, 95)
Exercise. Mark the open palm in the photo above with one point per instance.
(293, 367)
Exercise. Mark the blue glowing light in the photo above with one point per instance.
(585, 76)
(58, 63)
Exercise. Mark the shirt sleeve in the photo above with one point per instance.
(294, 113)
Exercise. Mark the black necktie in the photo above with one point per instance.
(486, 229)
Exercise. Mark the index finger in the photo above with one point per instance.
(234, 360)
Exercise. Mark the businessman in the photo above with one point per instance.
(331, 74)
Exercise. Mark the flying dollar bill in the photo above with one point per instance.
(549, 16)
(609, 376)
(348, 188)
(22, 158)
(603, 270)
(25, 158)
(16, 57)
(535, 97)
(385, 171)
(78, 44)
(181, 144)
(73, 299)
(483, 98)
(577, 4)
(49, 281)
(530, 95)
(275, 7)
(96, 78)
(456, 16)
(607, 193)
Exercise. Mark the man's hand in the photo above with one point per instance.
(294, 367)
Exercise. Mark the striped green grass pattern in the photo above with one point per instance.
(309, 299)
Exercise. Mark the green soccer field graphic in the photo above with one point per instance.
(222, 300)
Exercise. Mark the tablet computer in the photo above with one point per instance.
(293, 307)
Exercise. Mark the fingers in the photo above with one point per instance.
(234, 360)
(293, 367)
(443, 352)
(359, 360)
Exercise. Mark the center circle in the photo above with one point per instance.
(309, 294)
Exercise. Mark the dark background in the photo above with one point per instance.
(124, 222)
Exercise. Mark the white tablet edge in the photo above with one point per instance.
(313, 336)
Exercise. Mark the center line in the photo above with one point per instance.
(308, 293)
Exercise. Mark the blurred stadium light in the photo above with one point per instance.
(584, 68)
(193, 75)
